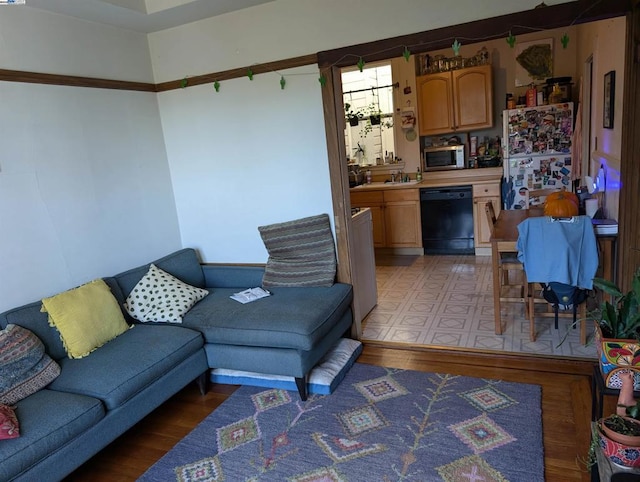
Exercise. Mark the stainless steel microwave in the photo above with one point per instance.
(443, 157)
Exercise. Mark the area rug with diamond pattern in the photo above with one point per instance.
(380, 423)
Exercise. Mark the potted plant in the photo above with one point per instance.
(623, 430)
(375, 117)
(617, 330)
(620, 319)
(618, 435)
(375, 114)
(352, 117)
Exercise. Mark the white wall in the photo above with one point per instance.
(608, 55)
(252, 153)
(37, 41)
(604, 43)
(249, 155)
(85, 186)
(290, 28)
(85, 189)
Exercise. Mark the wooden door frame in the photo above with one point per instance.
(628, 219)
(549, 17)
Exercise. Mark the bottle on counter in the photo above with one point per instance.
(418, 175)
(368, 174)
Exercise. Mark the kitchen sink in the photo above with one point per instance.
(387, 183)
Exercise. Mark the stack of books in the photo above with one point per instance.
(605, 226)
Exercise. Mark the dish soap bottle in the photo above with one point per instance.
(418, 175)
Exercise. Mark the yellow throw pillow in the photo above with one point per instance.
(86, 317)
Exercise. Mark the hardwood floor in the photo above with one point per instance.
(566, 409)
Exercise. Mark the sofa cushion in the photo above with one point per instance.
(290, 318)
(9, 427)
(183, 264)
(33, 319)
(24, 366)
(48, 420)
(87, 317)
(301, 252)
(158, 296)
(128, 364)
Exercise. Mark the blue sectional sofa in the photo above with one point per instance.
(97, 398)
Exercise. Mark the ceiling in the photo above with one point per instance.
(143, 16)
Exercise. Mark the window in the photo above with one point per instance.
(368, 100)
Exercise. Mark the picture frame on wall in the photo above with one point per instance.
(534, 61)
(609, 99)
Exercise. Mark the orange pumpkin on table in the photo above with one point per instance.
(561, 204)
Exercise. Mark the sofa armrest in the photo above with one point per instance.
(226, 276)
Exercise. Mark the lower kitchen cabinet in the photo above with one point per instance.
(402, 218)
(483, 193)
(396, 216)
(396, 211)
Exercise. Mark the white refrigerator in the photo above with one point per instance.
(536, 151)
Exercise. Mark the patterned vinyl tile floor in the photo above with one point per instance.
(448, 301)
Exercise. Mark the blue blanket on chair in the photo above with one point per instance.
(558, 250)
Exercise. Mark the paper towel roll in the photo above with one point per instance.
(590, 207)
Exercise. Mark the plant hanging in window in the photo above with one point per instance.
(352, 117)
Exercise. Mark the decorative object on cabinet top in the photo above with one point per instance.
(426, 64)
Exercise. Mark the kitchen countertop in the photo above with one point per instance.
(459, 177)
(377, 185)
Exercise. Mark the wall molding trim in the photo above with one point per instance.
(98, 83)
(73, 81)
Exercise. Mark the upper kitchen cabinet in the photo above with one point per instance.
(455, 101)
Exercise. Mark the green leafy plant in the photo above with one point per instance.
(622, 425)
(592, 459)
(617, 320)
(353, 117)
(374, 113)
(620, 319)
(374, 116)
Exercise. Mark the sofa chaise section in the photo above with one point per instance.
(286, 333)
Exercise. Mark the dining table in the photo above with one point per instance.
(505, 237)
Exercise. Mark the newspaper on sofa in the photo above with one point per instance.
(250, 295)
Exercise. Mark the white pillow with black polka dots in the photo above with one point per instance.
(159, 296)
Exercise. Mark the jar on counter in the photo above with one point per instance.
(556, 95)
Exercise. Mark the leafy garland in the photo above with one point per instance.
(406, 53)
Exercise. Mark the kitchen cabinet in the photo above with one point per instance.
(402, 218)
(395, 214)
(455, 101)
(483, 193)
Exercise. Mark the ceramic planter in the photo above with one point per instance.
(354, 121)
(628, 440)
(615, 356)
(619, 453)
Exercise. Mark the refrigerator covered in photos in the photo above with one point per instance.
(537, 151)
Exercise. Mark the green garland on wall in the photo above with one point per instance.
(406, 53)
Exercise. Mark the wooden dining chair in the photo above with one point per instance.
(513, 286)
(536, 294)
(534, 290)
